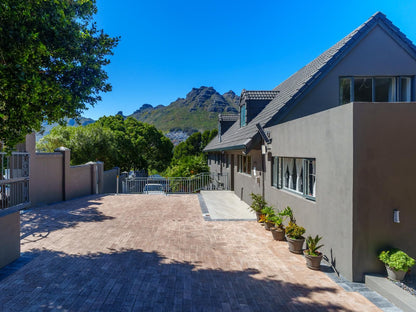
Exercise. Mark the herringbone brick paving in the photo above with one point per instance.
(156, 253)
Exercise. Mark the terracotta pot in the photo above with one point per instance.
(278, 234)
(295, 245)
(313, 262)
(395, 275)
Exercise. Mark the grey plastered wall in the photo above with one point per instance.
(219, 162)
(52, 179)
(384, 180)
(327, 137)
(45, 178)
(110, 180)
(245, 184)
(9, 237)
(214, 161)
(378, 54)
(80, 181)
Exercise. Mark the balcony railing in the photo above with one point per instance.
(175, 185)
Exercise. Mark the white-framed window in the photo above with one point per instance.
(297, 175)
(244, 164)
(375, 89)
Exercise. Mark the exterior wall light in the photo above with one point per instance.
(396, 216)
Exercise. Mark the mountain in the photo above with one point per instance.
(46, 128)
(198, 111)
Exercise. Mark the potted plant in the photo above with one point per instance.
(397, 263)
(312, 255)
(269, 214)
(287, 213)
(258, 204)
(278, 230)
(294, 237)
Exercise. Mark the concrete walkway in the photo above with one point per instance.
(156, 253)
(225, 206)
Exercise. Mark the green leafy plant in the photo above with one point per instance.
(278, 221)
(269, 212)
(396, 259)
(52, 63)
(312, 244)
(287, 213)
(258, 203)
(294, 231)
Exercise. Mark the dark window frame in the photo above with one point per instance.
(397, 97)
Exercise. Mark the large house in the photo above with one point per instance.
(336, 143)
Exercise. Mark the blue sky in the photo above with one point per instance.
(169, 47)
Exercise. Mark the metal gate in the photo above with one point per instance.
(14, 179)
(174, 185)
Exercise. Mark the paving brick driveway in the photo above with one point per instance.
(156, 253)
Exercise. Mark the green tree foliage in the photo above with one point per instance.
(89, 143)
(207, 136)
(125, 143)
(141, 145)
(188, 158)
(51, 63)
(194, 145)
(187, 166)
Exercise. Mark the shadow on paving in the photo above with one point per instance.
(37, 223)
(134, 280)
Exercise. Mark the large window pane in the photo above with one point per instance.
(345, 90)
(310, 178)
(405, 89)
(297, 174)
(275, 171)
(384, 90)
(363, 89)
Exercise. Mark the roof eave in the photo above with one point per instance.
(226, 148)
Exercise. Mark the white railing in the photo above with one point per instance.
(14, 179)
(175, 185)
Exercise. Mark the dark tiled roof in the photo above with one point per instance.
(228, 117)
(258, 95)
(293, 88)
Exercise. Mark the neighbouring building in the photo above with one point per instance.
(336, 143)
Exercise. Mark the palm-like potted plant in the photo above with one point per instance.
(312, 255)
(257, 205)
(287, 213)
(278, 230)
(397, 263)
(294, 237)
(269, 214)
